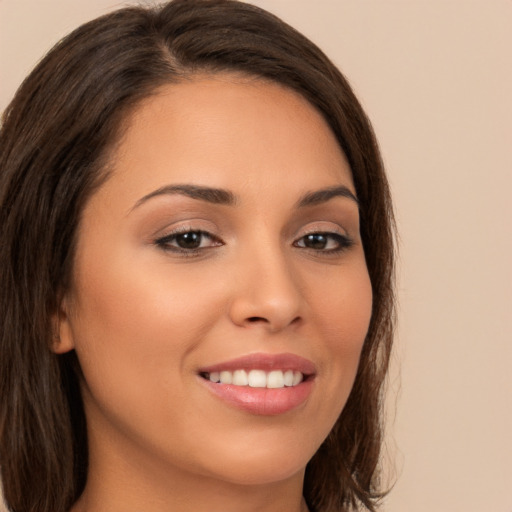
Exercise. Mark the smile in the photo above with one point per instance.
(274, 379)
(262, 384)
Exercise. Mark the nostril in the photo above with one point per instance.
(254, 319)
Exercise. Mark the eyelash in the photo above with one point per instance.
(165, 242)
(343, 242)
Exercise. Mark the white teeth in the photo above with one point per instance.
(288, 378)
(258, 378)
(226, 377)
(214, 376)
(240, 378)
(297, 378)
(275, 379)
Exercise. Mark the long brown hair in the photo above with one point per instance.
(55, 142)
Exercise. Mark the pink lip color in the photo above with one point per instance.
(263, 401)
(267, 362)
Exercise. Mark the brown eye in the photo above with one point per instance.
(190, 240)
(316, 241)
(325, 242)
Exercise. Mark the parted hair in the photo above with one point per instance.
(56, 138)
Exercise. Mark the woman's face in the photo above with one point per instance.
(224, 246)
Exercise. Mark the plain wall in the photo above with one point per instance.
(435, 78)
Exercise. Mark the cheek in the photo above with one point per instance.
(343, 321)
(345, 308)
(125, 306)
(134, 332)
(133, 328)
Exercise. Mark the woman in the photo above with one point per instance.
(196, 271)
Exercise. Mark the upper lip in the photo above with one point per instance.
(264, 361)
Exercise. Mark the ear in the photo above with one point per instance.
(62, 333)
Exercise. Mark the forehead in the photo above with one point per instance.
(231, 132)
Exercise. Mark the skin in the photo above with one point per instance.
(143, 317)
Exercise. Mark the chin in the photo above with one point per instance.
(262, 464)
(272, 472)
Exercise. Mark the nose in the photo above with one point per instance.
(266, 292)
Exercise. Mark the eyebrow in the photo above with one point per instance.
(208, 194)
(325, 194)
(226, 197)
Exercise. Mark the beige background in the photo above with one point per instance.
(436, 79)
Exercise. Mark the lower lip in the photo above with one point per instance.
(262, 401)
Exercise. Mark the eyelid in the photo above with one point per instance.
(331, 230)
(174, 234)
(344, 242)
(184, 226)
(164, 241)
(322, 227)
